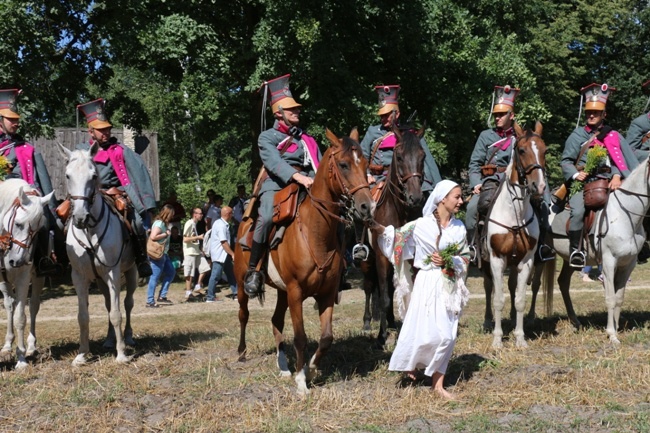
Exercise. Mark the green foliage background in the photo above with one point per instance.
(191, 70)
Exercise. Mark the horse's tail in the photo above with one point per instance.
(548, 273)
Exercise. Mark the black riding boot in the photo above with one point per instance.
(577, 258)
(254, 279)
(140, 255)
(544, 251)
(44, 259)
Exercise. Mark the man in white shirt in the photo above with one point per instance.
(221, 254)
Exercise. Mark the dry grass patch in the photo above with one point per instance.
(185, 376)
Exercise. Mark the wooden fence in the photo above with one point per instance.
(146, 145)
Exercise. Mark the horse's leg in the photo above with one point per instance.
(277, 320)
(131, 284)
(34, 307)
(81, 285)
(620, 281)
(535, 285)
(523, 271)
(294, 297)
(497, 267)
(513, 283)
(243, 315)
(8, 295)
(326, 310)
(110, 340)
(368, 288)
(382, 283)
(564, 281)
(488, 288)
(21, 285)
(115, 314)
(390, 290)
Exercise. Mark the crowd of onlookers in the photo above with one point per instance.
(201, 248)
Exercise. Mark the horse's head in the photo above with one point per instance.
(20, 224)
(529, 160)
(82, 181)
(347, 173)
(407, 166)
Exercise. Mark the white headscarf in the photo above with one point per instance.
(439, 192)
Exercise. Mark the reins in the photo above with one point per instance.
(397, 191)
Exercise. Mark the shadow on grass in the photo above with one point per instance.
(460, 369)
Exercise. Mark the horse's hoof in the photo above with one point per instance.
(109, 344)
(79, 360)
(497, 343)
(123, 359)
(129, 341)
(366, 327)
(21, 365)
(488, 327)
(521, 343)
(31, 352)
(615, 342)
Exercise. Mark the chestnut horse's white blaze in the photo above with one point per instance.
(22, 215)
(98, 249)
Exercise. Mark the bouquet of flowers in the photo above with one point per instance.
(596, 158)
(447, 255)
(5, 167)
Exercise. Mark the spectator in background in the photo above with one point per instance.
(214, 211)
(191, 249)
(238, 205)
(221, 254)
(176, 247)
(179, 210)
(161, 233)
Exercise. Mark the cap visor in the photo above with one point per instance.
(591, 105)
(387, 109)
(99, 124)
(5, 112)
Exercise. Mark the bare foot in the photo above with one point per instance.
(413, 375)
(442, 393)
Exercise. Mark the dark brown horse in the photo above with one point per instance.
(309, 260)
(400, 201)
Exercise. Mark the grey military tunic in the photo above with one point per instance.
(569, 167)
(385, 156)
(635, 133)
(280, 167)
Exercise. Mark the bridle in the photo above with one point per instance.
(523, 172)
(397, 191)
(7, 238)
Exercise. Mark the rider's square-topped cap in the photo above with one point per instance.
(95, 114)
(8, 103)
(595, 96)
(388, 96)
(281, 93)
(504, 99)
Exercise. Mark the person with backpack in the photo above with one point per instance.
(218, 241)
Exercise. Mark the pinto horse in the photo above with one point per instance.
(615, 241)
(22, 215)
(512, 228)
(99, 249)
(309, 260)
(399, 202)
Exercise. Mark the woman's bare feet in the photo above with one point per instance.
(438, 379)
(443, 393)
(413, 375)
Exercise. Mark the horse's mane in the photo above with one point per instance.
(410, 141)
(348, 143)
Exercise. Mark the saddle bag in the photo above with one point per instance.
(63, 210)
(596, 193)
(376, 169)
(285, 203)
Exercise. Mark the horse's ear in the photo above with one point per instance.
(45, 200)
(94, 149)
(333, 139)
(64, 150)
(538, 128)
(422, 129)
(518, 130)
(354, 134)
(397, 132)
(24, 198)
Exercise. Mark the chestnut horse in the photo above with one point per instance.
(400, 202)
(513, 230)
(309, 260)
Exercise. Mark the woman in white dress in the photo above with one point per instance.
(437, 244)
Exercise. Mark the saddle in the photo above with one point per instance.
(118, 201)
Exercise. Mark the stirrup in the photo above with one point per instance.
(253, 283)
(545, 253)
(360, 252)
(577, 259)
(473, 253)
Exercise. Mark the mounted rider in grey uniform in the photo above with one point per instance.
(620, 160)
(377, 146)
(288, 155)
(491, 156)
(28, 164)
(121, 167)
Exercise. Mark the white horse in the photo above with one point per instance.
(615, 241)
(22, 216)
(99, 250)
(512, 227)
